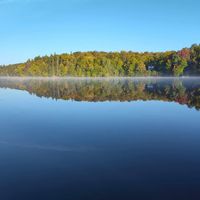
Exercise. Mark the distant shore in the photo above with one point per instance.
(98, 78)
(184, 62)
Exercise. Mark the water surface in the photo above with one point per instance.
(99, 139)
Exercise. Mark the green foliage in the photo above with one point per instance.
(102, 64)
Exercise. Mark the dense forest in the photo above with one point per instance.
(183, 91)
(104, 64)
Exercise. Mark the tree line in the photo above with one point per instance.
(104, 64)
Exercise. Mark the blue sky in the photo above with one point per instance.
(39, 27)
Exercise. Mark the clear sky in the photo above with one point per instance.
(38, 27)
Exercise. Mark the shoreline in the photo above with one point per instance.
(98, 78)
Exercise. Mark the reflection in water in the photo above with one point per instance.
(185, 91)
(68, 150)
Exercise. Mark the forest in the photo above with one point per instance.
(107, 64)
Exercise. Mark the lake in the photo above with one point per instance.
(100, 139)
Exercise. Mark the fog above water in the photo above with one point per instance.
(183, 90)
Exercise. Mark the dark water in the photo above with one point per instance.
(111, 139)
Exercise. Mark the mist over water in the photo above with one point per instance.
(180, 90)
(92, 138)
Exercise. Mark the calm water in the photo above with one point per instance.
(79, 139)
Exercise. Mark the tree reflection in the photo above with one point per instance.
(183, 91)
